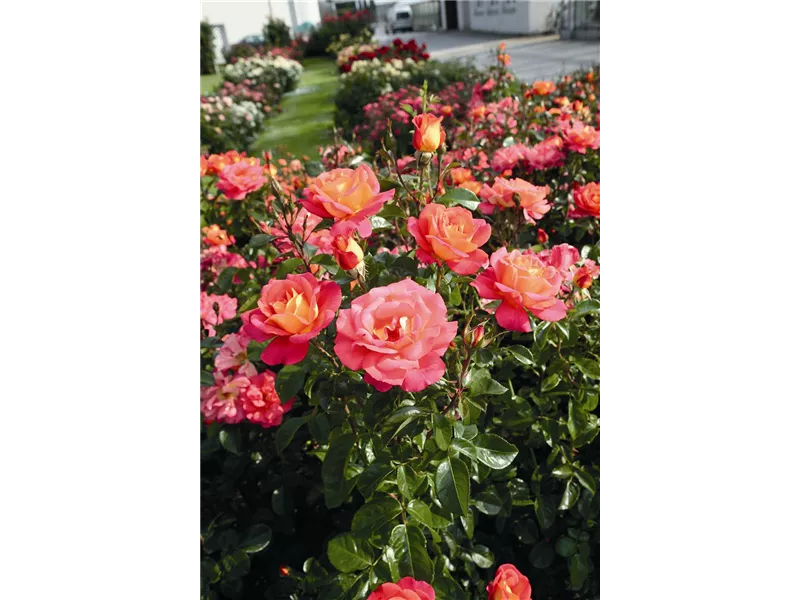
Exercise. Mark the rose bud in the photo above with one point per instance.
(284, 570)
(474, 336)
(586, 274)
(541, 236)
(347, 252)
(429, 133)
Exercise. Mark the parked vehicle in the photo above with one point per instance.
(400, 18)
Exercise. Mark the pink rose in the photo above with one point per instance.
(407, 588)
(220, 402)
(239, 179)
(260, 401)
(347, 196)
(524, 282)
(545, 155)
(291, 312)
(397, 334)
(214, 309)
(505, 193)
(450, 235)
(233, 355)
(562, 257)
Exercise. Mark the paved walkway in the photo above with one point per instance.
(532, 57)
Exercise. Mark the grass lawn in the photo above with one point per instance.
(307, 118)
(209, 82)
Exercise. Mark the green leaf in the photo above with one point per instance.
(545, 509)
(257, 538)
(260, 239)
(206, 379)
(372, 477)
(494, 451)
(562, 471)
(402, 482)
(408, 108)
(551, 382)
(464, 447)
(225, 280)
(392, 211)
(571, 494)
(333, 469)
(488, 502)
(577, 422)
(230, 439)
(420, 511)
(586, 307)
(481, 556)
(289, 381)
(460, 196)
(326, 260)
(379, 223)
(211, 342)
(403, 413)
(452, 485)
(235, 564)
(411, 553)
(542, 555)
(479, 381)
(442, 431)
(588, 367)
(348, 554)
(522, 355)
(585, 479)
(566, 546)
(320, 427)
(375, 513)
(286, 432)
(578, 569)
(288, 266)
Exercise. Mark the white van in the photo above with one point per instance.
(399, 18)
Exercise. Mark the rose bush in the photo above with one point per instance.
(399, 390)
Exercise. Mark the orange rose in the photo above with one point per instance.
(349, 197)
(509, 584)
(429, 133)
(447, 110)
(347, 252)
(459, 175)
(543, 88)
(452, 236)
(216, 236)
(478, 112)
(473, 186)
(587, 201)
(203, 165)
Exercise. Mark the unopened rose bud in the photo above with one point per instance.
(473, 337)
(429, 133)
(586, 274)
(348, 253)
(541, 236)
(284, 570)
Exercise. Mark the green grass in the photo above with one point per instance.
(307, 118)
(208, 83)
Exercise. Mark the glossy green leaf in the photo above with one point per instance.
(375, 513)
(442, 431)
(452, 485)
(289, 381)
(287, 266)
(479, 381)
(420, 511)
(494, 451)
(411, 553)
(522, 355)
(347, 553)
(333, 469)
(566, 546)
(588, 367)
(256, 539)
(461, 196)
(287, 431)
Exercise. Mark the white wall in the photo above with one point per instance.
(247, 18)
(509, 16)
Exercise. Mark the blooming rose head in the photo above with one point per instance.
(543, 88)
(545, 155)
(579, 137)
(216, 236)
(587, 201)
(562, 257)
(460, 175)
(260, 401)
(203, 165)
(586, 274)
(220, 402)
(291, 312)
(397, 334)
(523, 282)
(349, 197)
(239, 179)
(233, 355)
(347, 252)
(503, 193)
(429, 133)
(405, 589)
(214, 309)
(452, 236)
(509, 584)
